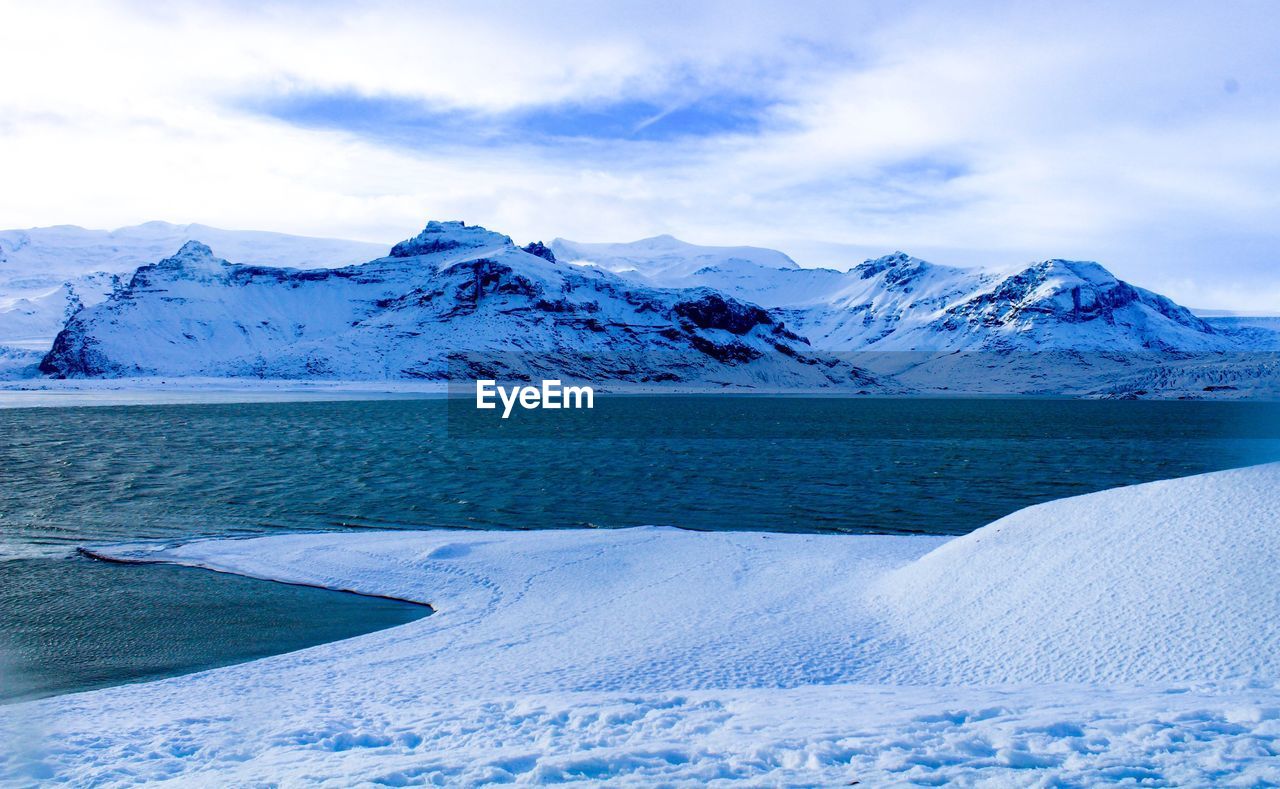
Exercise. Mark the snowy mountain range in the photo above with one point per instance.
(901, 303)
(656, 311)
(1052, 327)
(452, 298)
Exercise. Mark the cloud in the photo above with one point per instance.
(419, 126)
(1138, 135)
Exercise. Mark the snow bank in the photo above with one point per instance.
(1120, 636)
(650, 608)
(1167, 581)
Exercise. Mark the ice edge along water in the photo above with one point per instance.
(1130, 634)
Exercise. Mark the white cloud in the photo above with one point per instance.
(1142, 136)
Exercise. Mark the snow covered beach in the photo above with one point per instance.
(1129, 634)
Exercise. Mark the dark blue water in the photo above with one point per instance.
(71, 476)
(76, 624)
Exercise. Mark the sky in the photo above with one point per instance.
(1143, 135)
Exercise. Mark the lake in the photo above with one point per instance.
(76, 476)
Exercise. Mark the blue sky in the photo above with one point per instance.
(421, 126)
(1141, 135)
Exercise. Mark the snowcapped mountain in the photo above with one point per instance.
(1055, 326)
(452, 295)
(48, 273)
(661, 259)
(905, 304)
(902, 303)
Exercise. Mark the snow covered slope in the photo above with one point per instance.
(918, 306)
(1170, 581)
(1124, 635)
(662, 259)
(453, 294)
(32, 322)
(1261, 332)
(48, 273)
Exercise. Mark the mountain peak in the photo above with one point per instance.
(194, 247)
(191, 252)
(194, 261)
(445, 236)
(900, 261)
(541, 250)
(1085, 270)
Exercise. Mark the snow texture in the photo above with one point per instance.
(1126, 635)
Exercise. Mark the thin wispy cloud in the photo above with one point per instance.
(1138, 135)
(422, 127)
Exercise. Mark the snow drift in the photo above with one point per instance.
(1167, 581)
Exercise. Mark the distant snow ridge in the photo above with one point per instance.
(47, 274)
(453, 294)
(658, 259)
(45, 257)
(32, 321)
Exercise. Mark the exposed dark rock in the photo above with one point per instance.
(730, 353)
(714, 311)
(483, 276)
(541, 250)
(76, 355)
(435, 237)
(870, 268)
(781, 330)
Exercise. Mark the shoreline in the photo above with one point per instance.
(83, 393)
(104, 554)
